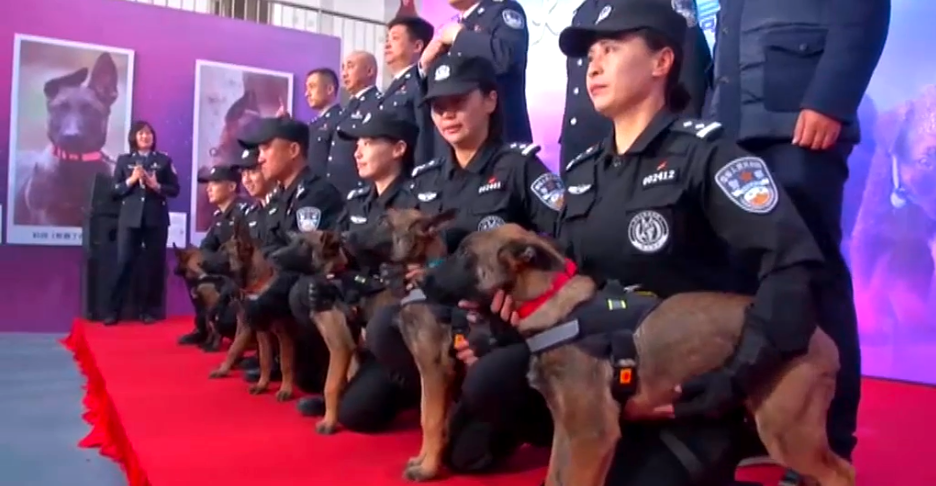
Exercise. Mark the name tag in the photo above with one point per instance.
(659, 177)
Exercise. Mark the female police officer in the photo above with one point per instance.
(491, 183)
(688, 201)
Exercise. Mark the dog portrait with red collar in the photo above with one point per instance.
(70, 113)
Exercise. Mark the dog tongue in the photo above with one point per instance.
(558, 282)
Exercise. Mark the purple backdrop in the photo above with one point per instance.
(40, 285)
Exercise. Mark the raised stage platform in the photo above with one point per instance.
(153, 410)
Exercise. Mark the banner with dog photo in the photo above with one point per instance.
(69, 117)
(227, 98)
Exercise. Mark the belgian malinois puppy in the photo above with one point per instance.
(203, 290)
(410, 237)
(254, 275)
(683, 337)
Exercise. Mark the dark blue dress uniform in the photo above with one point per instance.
(404, 96)
(342, 169)
(321, 131)
(143, 226)
(582, 126)
(497, 30)
(773, 59)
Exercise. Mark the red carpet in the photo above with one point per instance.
(154, 411)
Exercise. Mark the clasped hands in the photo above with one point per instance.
(140, 174)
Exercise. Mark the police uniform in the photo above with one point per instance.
(222, 221)
(403, 96)
(816, 55)
(582, 126)
(254, 213)
(497, 30)
(143, 227)
(342, 169)
(502, 183)
(321, 131)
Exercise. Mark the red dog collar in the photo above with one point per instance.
(73, 157)
(558, 282)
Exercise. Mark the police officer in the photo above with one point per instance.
(582, 126)
(221, 187)
(491, 183)
(321, 91)
(145, 180)
(497, 31)
(788, 91)
(683, 192)
(385, 148)
(260, 189)
(407, 37)
(359, 75)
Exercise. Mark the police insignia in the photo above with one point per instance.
(308, 219)
(442, 73)
(748, 184)
(548, 188)
(512, 18)
(648, 231)
(605, 11)
(355, 219)
(490, 222)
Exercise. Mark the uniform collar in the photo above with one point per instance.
(386, 198)
(467, 13)
(658, 125)
(360, 94)
(331, 110)
(477, 164)
(302, 177)
(403, 72)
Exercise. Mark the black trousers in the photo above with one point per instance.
(815, 181)
(148, 245)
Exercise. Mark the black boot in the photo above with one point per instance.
(111, 320)
(311, 406)
(253, 375)
(193, 338)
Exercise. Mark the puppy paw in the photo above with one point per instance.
(257, 389)
(284, 395)
(418, 474)
(414, 462)
(218, 373)
(326, 428)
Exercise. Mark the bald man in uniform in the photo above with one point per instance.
(359, 77)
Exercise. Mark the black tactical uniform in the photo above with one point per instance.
(403, 96)
(143, 227)
(321, 131)
(582, 126)
(342, 169)
(497, 30)
(503, 183)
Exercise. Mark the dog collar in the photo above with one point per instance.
(561, 279)
(70, 156)
(435, 263)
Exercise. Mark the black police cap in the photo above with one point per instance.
(219, 173)
(246, 160)
(457, 75)
(383, 124)
(267, 129)
(622, 16)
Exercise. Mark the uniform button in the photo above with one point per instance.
(328, 174)
(803, 47)
(580, 62)
(575, 91)
(724, 30)
(573, 121)
(329, 158)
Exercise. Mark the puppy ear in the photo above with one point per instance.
(521, 255)
(53, 86)
(432, 225)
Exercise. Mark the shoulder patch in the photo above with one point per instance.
(748, 184)
(582, 156)
(548, 188)
(513, 18)
(308, 218)
(702, 129)
(419, 169)
(359, 192)
(525, 149)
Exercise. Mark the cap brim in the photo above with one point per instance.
(349, 135)
(257, 136)
(576, 41)
(455, 88)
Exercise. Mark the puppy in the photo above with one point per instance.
(203, 290)
(410, 237)
(254, 275)
(678, 339)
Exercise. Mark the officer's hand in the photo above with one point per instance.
(450, 32)
(149, 179)
(282, 111)
(634, 411)
(464, 352)
(503, 305)
(816, 131)
(712, 396)
(414, 275)
(435, 49)
(136, 175)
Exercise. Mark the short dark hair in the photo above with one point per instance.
(327, 73)
(135, 127)
(417, 27)
(677, 96)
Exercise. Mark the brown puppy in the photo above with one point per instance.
(205, 294)
(254, 273)
(412, 238)
(683, 337)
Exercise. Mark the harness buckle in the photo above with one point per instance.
(624, 364)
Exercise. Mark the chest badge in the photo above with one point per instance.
(648, 231)
(748, 184)
(427, 196)
(662, 175)
(490, 222)
(492, 185)
(355, 219)
(579, 189)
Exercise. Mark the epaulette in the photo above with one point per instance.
(525, 149)
(582, 156)
(419, 169)
(359, 192)
(216, 212)
(242, 205)
(699, 128)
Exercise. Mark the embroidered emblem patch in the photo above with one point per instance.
(427, 196)
(648, 231)
(748, 184)
(579, 189)
(355, 219)
(308, 218)
(549, 189)
(512, 18)
(605, 11)
(490, 222)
